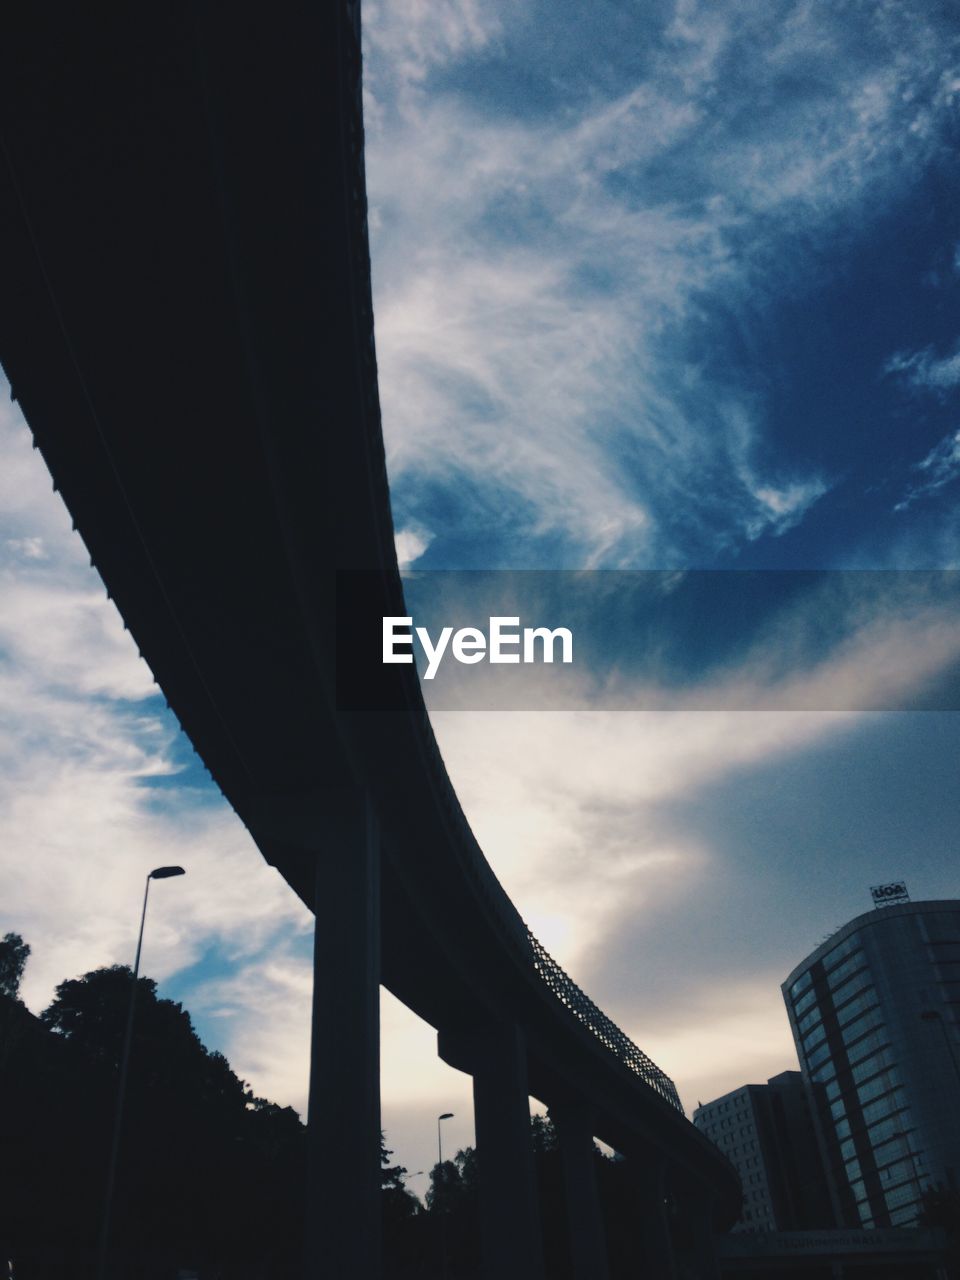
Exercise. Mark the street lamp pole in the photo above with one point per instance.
(158, 873)
(447, 1115)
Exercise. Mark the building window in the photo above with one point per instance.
(878, 1085)
(864, 1000)
(824, 1072)
(858, 1189)
(807, 1021)
(892, 1149)
(855, 984)
(818, 1056)
(801, 984)
(833, 958)
(816, 1035)
(892, 1126)
(855, 1030)
(804, 1003)
(883, 1106)
(836, 976)
(876, 1040)
(903, 1217)
(899, 1172)
(909, 1193)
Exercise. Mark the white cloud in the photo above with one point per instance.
(926, 371)
(88, 765)
(27, 548)
(561, 800)
(411, 544)
(414, 37)
(538, 284)
(940, 467)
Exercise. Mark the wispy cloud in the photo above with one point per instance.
(543, 286)
(93, 786)
(926, 371)
(940, 467)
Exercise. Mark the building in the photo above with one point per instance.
(874, 1012)
(767, 1131)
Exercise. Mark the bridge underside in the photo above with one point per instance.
(185, 320)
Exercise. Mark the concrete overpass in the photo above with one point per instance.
(186, 322)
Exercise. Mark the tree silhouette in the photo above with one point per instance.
(212, 1177)
(13, 959)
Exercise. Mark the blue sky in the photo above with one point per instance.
(670, 286)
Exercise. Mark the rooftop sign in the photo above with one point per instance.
(888, 895)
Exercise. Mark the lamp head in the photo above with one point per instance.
(164, 873)
(447, 1115)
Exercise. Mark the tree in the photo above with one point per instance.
(13, 959)
(398, 1202)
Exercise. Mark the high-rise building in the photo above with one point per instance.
(874, 1012)
(767, 1132)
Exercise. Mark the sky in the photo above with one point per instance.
(666, 287)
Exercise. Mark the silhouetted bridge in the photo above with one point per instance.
(185, 319)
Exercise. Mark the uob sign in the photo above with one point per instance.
(885, 895)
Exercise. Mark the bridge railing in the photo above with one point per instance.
(596, 1021)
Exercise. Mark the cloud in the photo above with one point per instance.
(411, 544)
(925, 371)
(414, 37)
(940, 467)
(96, 783)
(546, 283)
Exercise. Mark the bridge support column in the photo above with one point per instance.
(696, 1220)
(343, 1125)
(495, 1056)
(588, 1242)
(704, 1239)
(658, 1248)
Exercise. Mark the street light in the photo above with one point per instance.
(933, 1015)
(158, 873)
(447, 1115)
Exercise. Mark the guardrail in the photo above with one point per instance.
(596, 1021)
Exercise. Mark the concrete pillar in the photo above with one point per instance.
(696, 1207)
(658, 1249)
(573, 1122)
(495, 1055)
(343, 1124)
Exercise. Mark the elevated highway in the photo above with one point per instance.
(186, 321)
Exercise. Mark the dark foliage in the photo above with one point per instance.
(13, 958)
(211, 1178)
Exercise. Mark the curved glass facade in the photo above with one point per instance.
(889, 1126)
